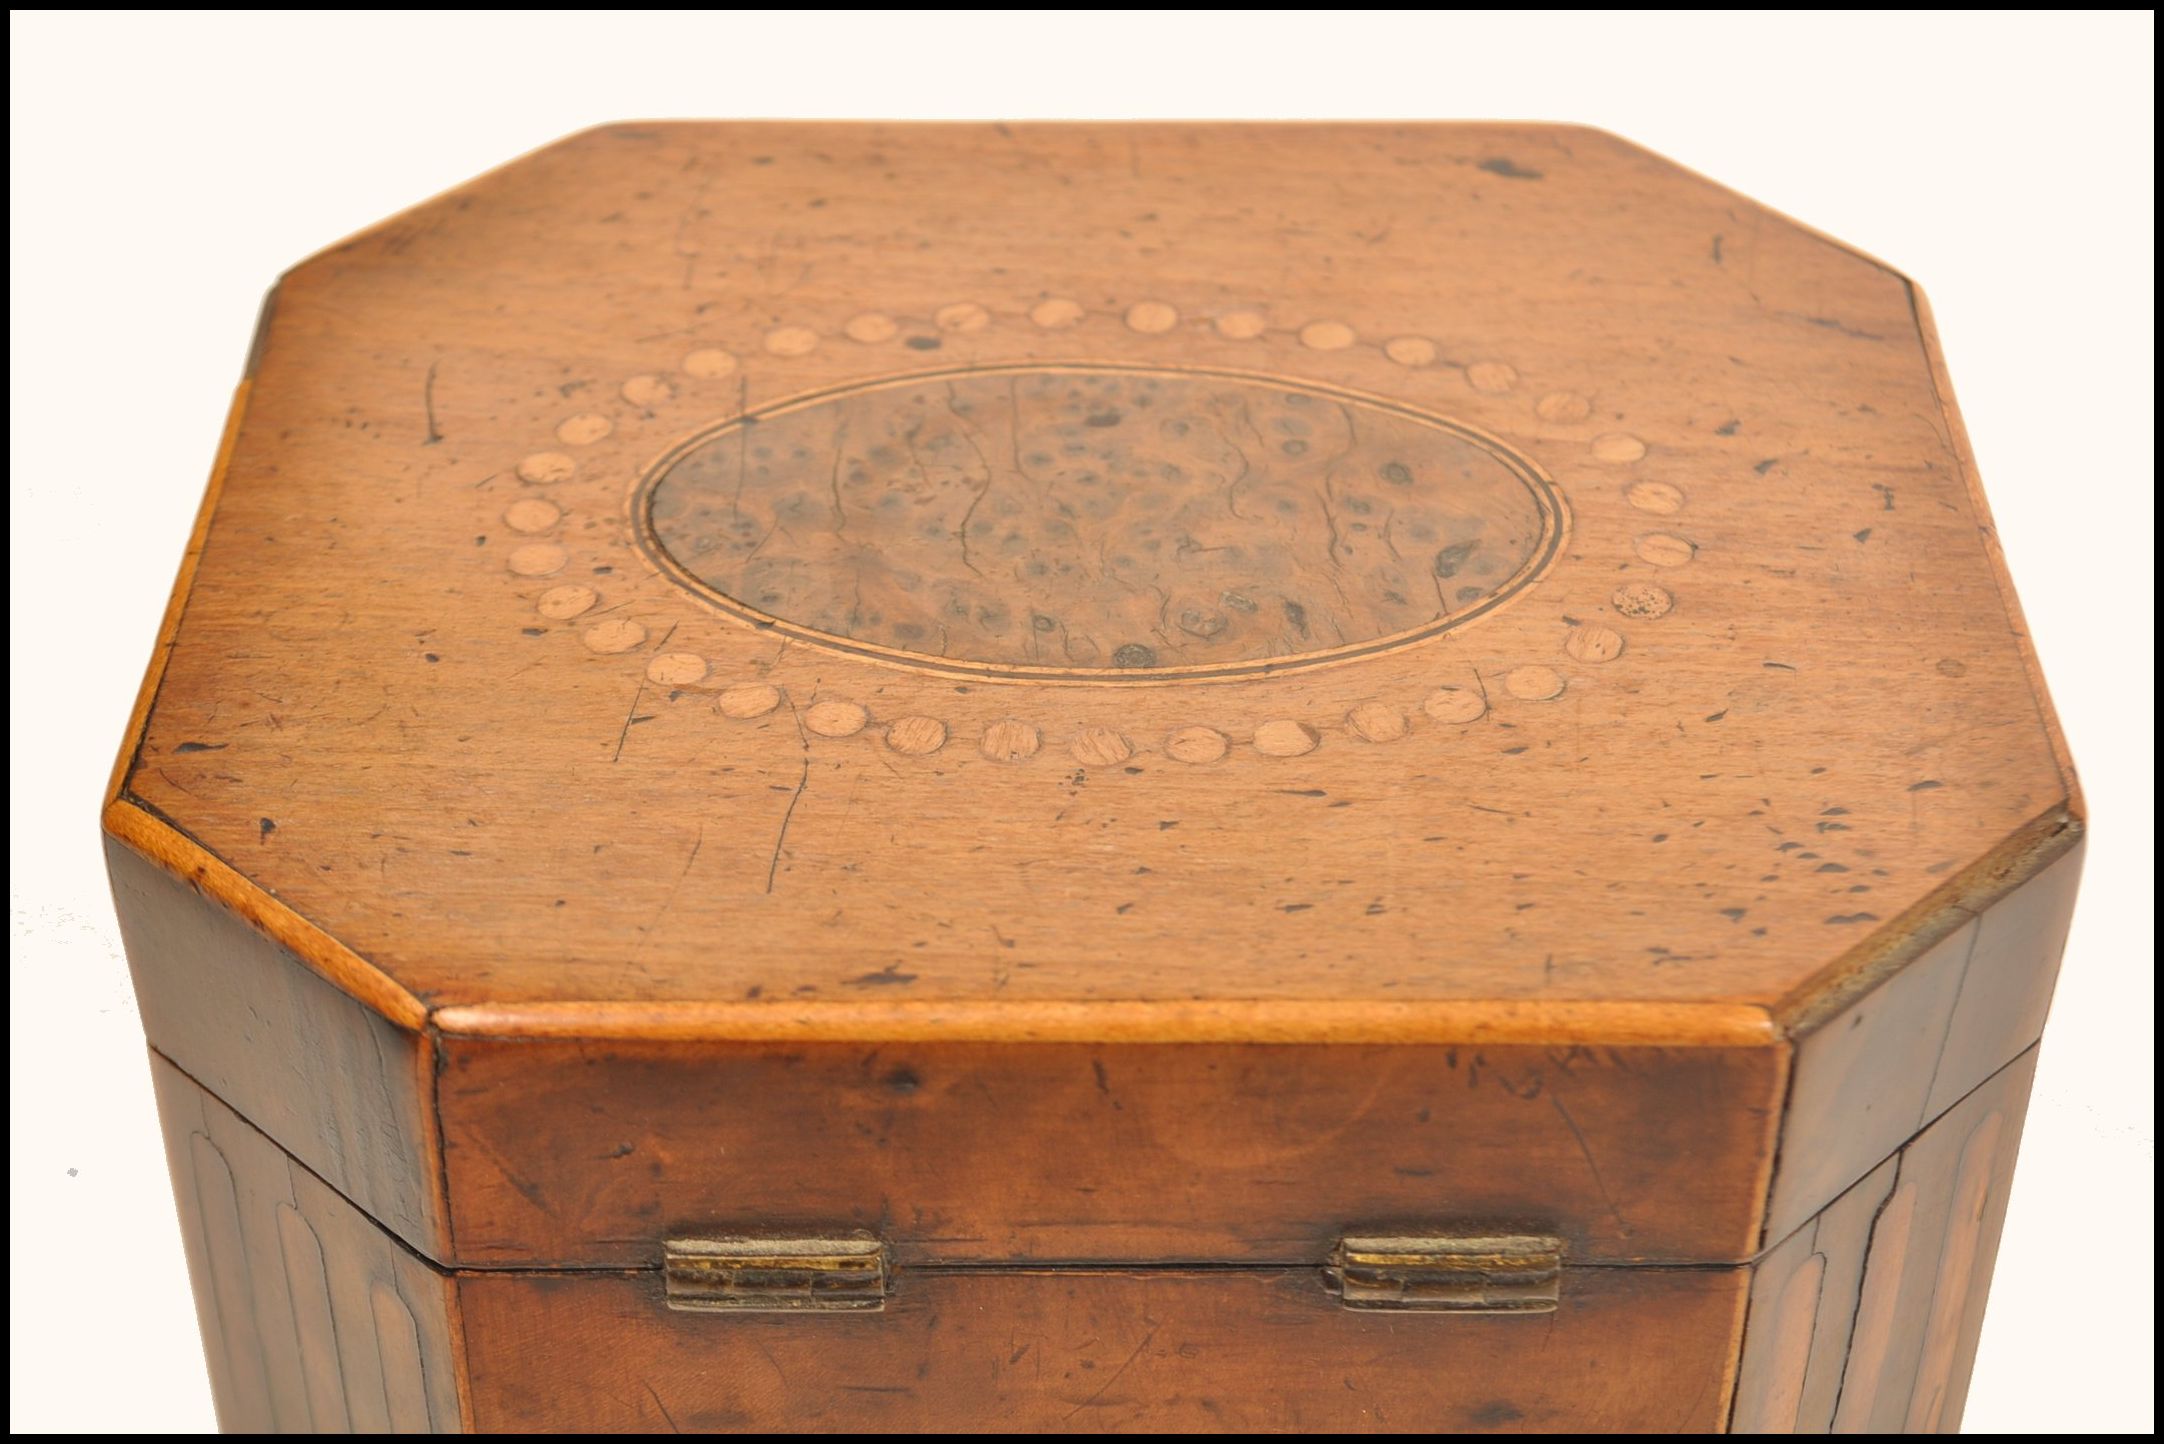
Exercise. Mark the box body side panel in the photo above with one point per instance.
(567, 1153)
(314, 1319)
(340, 1087)
(1866, 1319)
(1243, 1350)
(1871, 1075)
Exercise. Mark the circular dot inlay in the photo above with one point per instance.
(1664, 549)
(1455, 704)
(1101, 747)
(835, 719)
(615, 635)
(749, 699)
(962, 317)
(545, 468)
(1590, 642)
(1326, 335)
(917, 736)
(561, 604)
(537, 559)
(1285, 738)
(1643, 600)
(648, 391)
(1533, 683)
(1118, 522)
(1563, 407)
(676, 669)
(1376, 722)
(1657, 497)
(1493, 377)
(710, 363)
(1009, 741)
(870, 328)
(531, 514)
(1056, 313)
(1618, 448)
(1241, 325)
(1152, 318)
(584, 429)
(791, 341)
(1410, 350)
(1196, 744)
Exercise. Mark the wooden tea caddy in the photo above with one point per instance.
(1180, 777)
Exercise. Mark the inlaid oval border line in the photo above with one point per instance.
(1547, 500)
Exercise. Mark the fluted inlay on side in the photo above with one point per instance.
(314, 1319)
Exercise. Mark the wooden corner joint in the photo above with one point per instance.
(149, 834)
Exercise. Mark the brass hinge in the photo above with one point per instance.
(719, 1275)
(1473, 1275)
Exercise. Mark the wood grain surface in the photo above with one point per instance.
(585, 1155)
(1868, 1076)
(1865, 1320)
(1802, 1310)
(1236, 1350)
(340, 1087)
(1764, 712)
(315, 1321)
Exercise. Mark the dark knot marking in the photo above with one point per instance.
(1134, 654)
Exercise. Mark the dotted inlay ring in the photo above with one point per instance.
(540, 518)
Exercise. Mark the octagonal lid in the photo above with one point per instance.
(1269, 581)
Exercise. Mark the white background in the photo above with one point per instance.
(166, 168)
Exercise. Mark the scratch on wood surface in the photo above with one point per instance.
(1833, 323)
(526, 1188)
(631, 715)
(969, 434)
(1125, 1365)
(743, 444)
(834, 482)
(1585, 1151)
(651, 1393)
(768, 1355)
(678, 886)
(428, 406)
(803, 781)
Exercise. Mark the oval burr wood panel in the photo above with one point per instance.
(1104, 521)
